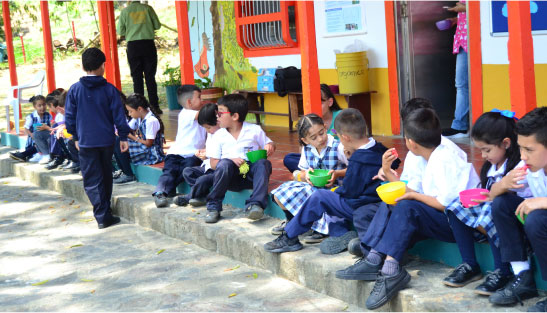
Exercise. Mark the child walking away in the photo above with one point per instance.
(93, 108)
(507, 209)
(200, 178)
(319, 151)
(190, 138)
(358, 189)
(419, 214)
(494, 134)
(37, 129)
(146, 145)
(228, 153)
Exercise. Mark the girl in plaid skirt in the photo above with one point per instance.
(494, 134)
(319, 151)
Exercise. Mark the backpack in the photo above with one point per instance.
(287, 79)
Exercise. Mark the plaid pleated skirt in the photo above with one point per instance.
(475, 216)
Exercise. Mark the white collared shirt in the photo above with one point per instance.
(190, 135)
(370, 144)
(28, 119)
(303, 163)
(537, 182)
(152, 125)
(225, 146)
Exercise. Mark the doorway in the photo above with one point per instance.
(426, 65)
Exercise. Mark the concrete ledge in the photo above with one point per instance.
(237, 237)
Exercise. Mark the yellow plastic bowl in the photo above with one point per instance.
(391, 191)
(66, 134)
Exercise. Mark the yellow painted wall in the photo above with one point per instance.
(496, 93)
(380, 111)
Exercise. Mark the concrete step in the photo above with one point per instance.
(241, 239)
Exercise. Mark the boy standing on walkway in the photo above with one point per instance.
(93, 107)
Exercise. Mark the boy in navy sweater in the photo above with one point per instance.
(93, 107)
(358, 187)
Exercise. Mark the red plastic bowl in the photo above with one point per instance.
(471, 194)
(444, 24)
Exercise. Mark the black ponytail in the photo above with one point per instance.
(136, 100)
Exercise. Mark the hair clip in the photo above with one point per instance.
(506, 113)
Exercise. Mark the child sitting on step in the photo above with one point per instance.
(515, 238)
(319, 151)
(146, 144)
(494, 134)
(200, 178)
(37, 125)
(358, 188)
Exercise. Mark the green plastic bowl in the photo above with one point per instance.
(256, 155)
(319, 178)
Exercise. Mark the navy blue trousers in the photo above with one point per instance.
(362, 218)
(199, 180)
(395, 229)
(513, 235)
(227, 177)
(321, 201)
(96, 167)
(74, 153)
(171, 176)
(123, 159)
(291, 161)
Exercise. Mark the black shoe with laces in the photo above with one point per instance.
(521, 287)
(283, 244)
(125, 179)
(180, 200)
(160, 200)
(462, 275)
(19, 156)
(196, 202)
(355, 248)
(54, 163)
(541, 306)
(315, 237)
(386, 287)
(360, 270)
(492, 282)
(212, 216)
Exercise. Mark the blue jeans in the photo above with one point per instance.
(461, 113)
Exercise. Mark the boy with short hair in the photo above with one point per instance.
(190, 138)
(200, 178)
(419, 213)
(358, 187)
(93, 107)
(228, 153)
(532, 139)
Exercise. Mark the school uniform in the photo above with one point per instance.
(41, 137)
(55, 146)
(93, 108)
(357, 189)
(190, 138)
(513, 234)
(200, 178)
(147, 128)
(226, 174)
(293, 194)
(394, 229)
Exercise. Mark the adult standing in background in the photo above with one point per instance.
(460, 124)
(137, 24)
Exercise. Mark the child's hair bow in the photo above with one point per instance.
(506, 113)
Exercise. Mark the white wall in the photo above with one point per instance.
(374, 39)
(494, 49)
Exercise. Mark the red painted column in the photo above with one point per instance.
(185, 51)
(311, 89)
(48, 46)
(114, 46)
(392, 67)
(475, 58)
(102, 8)
(521, 58)
(9, 44)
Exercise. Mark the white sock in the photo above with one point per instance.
(520, 266)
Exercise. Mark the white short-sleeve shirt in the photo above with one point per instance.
(537, 182)
(152, 125)
(190, 135)
(28, 119)
(303, 163)
(225, 146)
(59, 118)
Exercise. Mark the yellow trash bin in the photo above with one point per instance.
(352, 71)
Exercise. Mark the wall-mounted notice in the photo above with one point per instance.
(344, 18)
(498, 12)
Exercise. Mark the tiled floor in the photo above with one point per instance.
(288, 142)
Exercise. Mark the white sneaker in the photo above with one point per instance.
(35, 158)
(45, 159)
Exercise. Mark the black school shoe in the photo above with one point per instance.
(161, 200)
(492, 282)
(315, 237)
(521, 287)
(19, 156)
(212, 216)
(386, 287)
(462, 275)
(195, 202)
(53, 164)
(113, 221)
(180, 200)
(283, 244)
(354, 247)
(334, 245)
(361, 270)
(541, 306)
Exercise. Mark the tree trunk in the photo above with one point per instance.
(217, 41)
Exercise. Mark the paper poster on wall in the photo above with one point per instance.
(344, 18)
(498, 12)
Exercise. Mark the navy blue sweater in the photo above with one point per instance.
(92, 108)
(358, 188)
